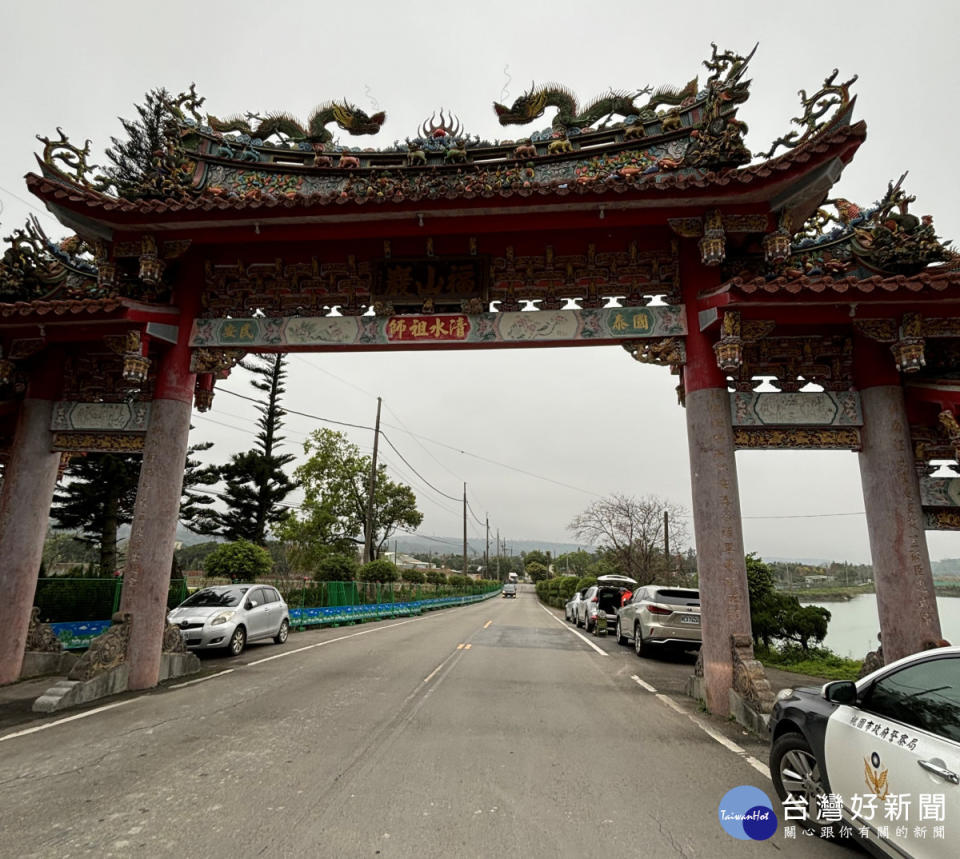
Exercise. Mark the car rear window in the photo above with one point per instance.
(676, 597)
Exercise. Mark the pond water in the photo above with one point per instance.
(854, 625)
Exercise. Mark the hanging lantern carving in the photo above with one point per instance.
(729, 349)
(776, 246)
(909, 350)
(7, 368)
(713, 245)
(203, 392)
(151, 266)
(136, 365)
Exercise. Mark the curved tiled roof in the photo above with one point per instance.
(932, 280)
(61, 307)
(843, 142)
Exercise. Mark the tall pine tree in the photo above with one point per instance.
(255, 481)
(100, 493)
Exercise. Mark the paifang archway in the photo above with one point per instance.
(655, 230)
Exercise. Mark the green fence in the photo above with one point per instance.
(69, 600)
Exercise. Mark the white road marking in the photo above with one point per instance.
(703, 726)
(330, 641)
(84, 715)
(201, 679)
(586, 640)
(642, 683)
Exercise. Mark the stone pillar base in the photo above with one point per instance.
(72, 693)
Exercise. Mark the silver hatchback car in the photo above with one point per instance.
(228, 616)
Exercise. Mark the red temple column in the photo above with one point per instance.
(154, 528)
(724, 597)
(28, 484)
(906, 600)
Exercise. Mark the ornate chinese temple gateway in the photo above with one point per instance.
(638, 220)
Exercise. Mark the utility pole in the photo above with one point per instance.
(368, 536)
(498, 553)
(464, 528)
(486, 552)
(666, 540)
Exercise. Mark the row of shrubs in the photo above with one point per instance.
(557, 591)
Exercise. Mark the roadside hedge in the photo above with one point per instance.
(557, 591)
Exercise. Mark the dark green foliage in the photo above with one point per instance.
(775, 615)
(379, 571)
(97, 499)
(241, 561)
(137, 161)
(537, 572)
(414, 577)
(557, 591)
(336, 481)
(255, 481)
(335, 567)
(435, 577)
(585, 582)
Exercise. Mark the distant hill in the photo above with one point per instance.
(415, 543)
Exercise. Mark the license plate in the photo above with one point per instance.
(690, 618)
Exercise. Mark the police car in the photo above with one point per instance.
(877, 760)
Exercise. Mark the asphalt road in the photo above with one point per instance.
(494, 729)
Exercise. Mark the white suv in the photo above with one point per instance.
(659, 616)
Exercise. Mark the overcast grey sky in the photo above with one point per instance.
(589, 421)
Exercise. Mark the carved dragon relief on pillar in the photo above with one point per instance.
(40, 636)
(109, 649)
(749, 678)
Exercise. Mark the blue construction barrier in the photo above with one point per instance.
(79, 634)
(336, 614)
(74, 636)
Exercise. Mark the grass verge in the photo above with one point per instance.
(817, 662)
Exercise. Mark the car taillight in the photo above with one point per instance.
(595, 599)
(658, 609)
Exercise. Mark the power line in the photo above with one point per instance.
(805, 515)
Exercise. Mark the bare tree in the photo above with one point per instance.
(632, 530)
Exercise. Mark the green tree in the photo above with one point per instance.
(379, 571)
(537, 572)
(97, 499)
(576, 563)
(240, 561)
(255, 481)
(806, 624)
(435, 577)
(414, 577)
(335, 480)
(335, 567)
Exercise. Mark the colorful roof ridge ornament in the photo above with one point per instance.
(288, 129)
(885, 238)
(829, 95)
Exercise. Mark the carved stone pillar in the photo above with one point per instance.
(28, 484)
(906, 601)
(153, 532)
(725, 601)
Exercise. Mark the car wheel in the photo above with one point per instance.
(283, 632)
(237, 641)
(621, 638)
(795, 770)
(638, 642)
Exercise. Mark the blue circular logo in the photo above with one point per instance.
(746, 813)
